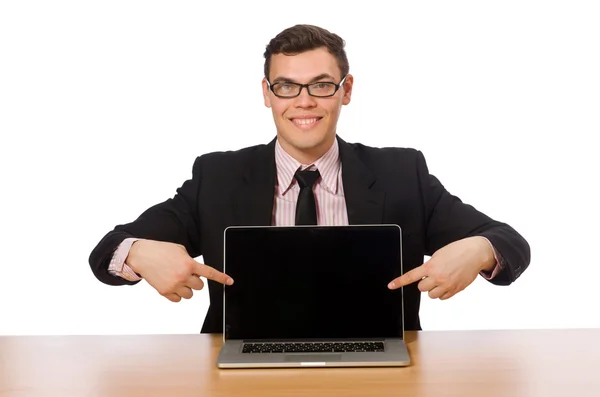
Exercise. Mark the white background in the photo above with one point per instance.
(104, 106)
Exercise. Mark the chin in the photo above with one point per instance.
(307, 142)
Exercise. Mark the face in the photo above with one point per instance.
(306, 125)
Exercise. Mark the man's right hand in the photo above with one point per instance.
(170, 270)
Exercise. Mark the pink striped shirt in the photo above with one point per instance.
(329, 190)
(329, 198)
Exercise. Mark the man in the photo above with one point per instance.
(306, 83)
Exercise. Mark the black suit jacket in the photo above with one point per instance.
(381, 185)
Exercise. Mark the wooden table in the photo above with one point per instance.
(523, 363)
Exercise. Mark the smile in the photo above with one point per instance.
(305, 123)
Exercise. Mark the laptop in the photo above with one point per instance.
(312, 296)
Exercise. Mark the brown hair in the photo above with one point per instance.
(300, 38)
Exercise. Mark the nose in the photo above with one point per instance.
(304, 100)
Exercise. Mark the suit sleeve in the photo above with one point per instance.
(448, 219)
(175, 220)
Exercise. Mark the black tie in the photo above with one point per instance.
(306, 209)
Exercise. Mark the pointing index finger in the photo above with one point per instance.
(410, 277)
(212, 274)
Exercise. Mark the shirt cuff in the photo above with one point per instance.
(118, 267)
(499, 264)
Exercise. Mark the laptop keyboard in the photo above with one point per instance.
(312, 347)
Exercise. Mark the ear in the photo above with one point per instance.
(266, 93)
(347, 86)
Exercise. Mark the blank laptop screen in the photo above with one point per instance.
(313, 282)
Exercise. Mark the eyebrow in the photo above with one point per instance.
(290, 80)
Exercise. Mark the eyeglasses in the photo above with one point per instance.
(291, 90)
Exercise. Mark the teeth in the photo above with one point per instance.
(305, 121)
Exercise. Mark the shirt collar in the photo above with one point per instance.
(328, 166)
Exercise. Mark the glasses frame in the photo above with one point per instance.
(337, 87)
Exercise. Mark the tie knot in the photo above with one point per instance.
(307, 178)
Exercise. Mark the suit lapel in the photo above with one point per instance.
(253, 201)
(363, 201)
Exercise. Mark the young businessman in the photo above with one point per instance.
(308, 174)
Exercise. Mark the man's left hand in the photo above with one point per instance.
(450, 269)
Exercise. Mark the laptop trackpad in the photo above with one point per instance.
(312, 357)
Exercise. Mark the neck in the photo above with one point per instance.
(309, 155)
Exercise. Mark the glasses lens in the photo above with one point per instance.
(286, 89)
(322, 89)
